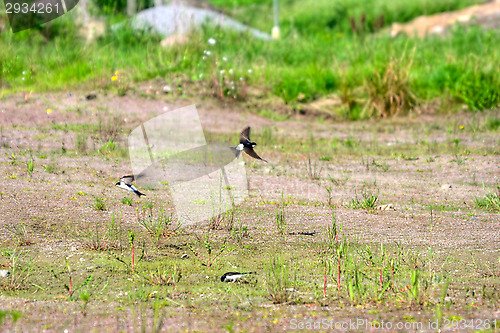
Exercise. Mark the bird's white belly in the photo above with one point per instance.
(233, 277)
(125, 187)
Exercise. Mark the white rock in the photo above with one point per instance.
(4, 273)
(446, 186)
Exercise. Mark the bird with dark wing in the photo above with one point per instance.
(126, 184)
(246, 145)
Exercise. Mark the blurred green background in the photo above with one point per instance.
(338, 50)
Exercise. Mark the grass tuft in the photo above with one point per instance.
(490, 201)
(127, 201)
(389, 91)
(99, 204)
(280, 286)
(368, 200)
(158, 227)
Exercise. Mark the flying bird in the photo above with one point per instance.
(246, 145)
(126, 184)
(233, 276)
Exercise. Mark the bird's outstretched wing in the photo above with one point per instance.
(129, 179)
(245, 135)
(252, 153)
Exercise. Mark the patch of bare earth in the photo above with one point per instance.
(54, 202)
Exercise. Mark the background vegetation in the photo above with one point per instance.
(327, 48)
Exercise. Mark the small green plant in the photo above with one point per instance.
(280, 218)
(333, 231)
(383, 166)
(338, 181)
(158, 227)
(240, 232)
(19, 232)
(108, 147)
(20, 271)
(341, 252)
(131, 238)
(85, 298)
(50, 168)
(329, 192)
(356, 286)
(30, 166)
(368, 200)
(313, 169)
(161, 276)
(158, 318)
(115, 232)
(490, 201)
(210, 257)
(12, 159)
(127, 201)
(414, 289)
(132, 265)
(458, 159)
(69, 286)
(438, 310)
(97, 236)
(280, 285)
(98, 204)
(222, 221)
(81, 143)
(148, 205)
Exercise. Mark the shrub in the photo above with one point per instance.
(389, 91)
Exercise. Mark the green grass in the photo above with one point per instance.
(30, 166)
(490, 201)
(368, 200)
(127, 201)
(319, 54)
(98, 204)
(335, 268)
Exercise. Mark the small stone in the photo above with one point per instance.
(185, 256)
(4, 273)
(167, 89)
(446, 187)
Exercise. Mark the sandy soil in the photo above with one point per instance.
(53, 203)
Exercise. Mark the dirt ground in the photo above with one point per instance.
(429, 168)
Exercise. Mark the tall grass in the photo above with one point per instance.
(321, 52)
(490, 201)
(280, 282)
